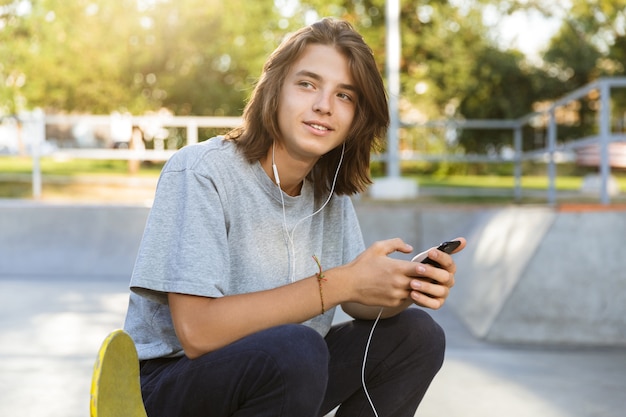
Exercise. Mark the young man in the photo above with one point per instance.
(252, 242)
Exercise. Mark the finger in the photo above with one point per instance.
(389, 246)
(426, 301)
(432, 289)
(432, 273)
(443, 277)
(442, 260)
(451, 281)
(461, 246)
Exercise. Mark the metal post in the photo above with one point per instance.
(517, 168)
(551, 162)
(393, 186)
(605, 132)
(393, 80)
(37, 130)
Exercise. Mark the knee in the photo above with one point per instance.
(300, 353)
(422, 323)
(290, 370)
(425, 335)
(294, 344)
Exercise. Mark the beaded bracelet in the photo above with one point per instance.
(320, 278)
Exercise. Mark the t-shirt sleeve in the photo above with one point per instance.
(184, 248)
(353, 237)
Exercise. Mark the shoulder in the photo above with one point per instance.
(343, 213)
(204, 157)
(342, 203)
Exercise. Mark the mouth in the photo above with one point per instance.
(318, 126)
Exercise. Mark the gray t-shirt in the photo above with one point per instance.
(216, 228)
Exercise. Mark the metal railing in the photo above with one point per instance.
(35, 127)
(604, 137)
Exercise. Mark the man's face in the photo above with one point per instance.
(317, 103)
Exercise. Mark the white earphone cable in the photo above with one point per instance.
(291, 245)
(292, 251)
(367, 347)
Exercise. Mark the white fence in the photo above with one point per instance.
(121, 130)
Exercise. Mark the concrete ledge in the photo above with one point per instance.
(393, 188)
(70, 241)
(82, 241)
(528, 274)
(422, 226)
(540, 275)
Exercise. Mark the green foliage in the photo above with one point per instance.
(97, 56)
(198, 57)
(201, 57)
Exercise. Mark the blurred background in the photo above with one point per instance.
(511, 124)
(121, 75)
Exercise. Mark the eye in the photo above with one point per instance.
(305, 84)
(344, 96)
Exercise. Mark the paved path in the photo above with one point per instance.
(50, 331)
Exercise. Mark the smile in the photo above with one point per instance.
(318, 127)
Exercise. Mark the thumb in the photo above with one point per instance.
(390, 246)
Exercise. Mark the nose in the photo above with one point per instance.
(323, 103)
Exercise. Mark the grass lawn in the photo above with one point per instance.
(15, 165)
(112, 178)
(498, 181)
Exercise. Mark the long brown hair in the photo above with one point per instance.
(371, 118)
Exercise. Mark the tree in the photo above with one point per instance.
(589, 45)
(68, 56)
(199, 57)
(97, 56)
(202, 57)
(450, 67)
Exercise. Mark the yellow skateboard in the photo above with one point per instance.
(115, 387)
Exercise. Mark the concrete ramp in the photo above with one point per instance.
(528, 274)
(70, 241)
(544, 275)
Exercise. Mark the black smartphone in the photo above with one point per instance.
(447, 247)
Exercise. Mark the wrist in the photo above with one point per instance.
(336, 291)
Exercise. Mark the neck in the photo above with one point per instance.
(291, 172)
(292, 191)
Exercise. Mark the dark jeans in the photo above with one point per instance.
(291, 371)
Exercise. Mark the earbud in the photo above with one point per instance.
(276, 177)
